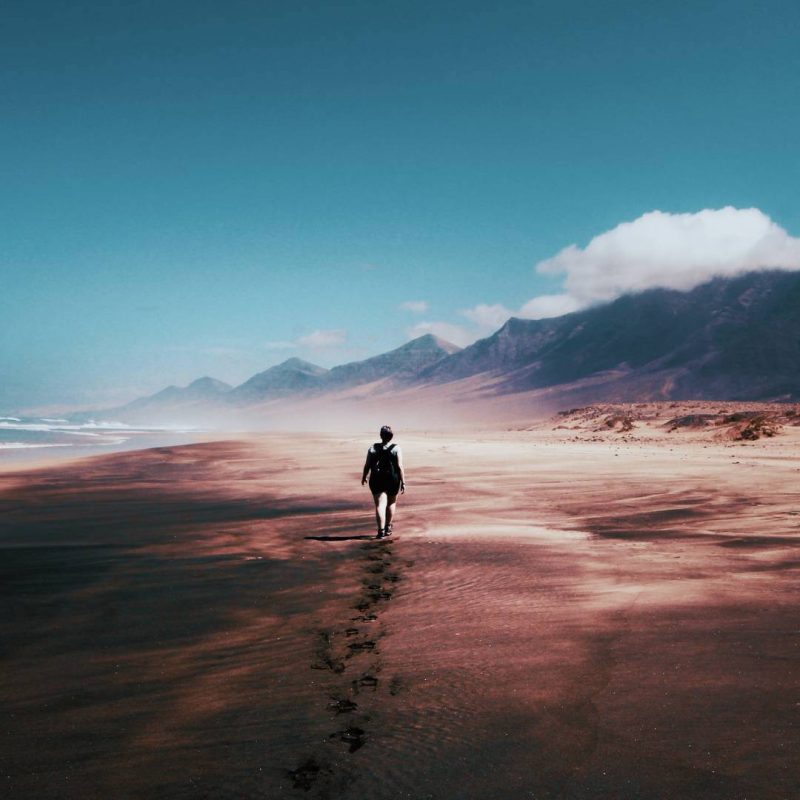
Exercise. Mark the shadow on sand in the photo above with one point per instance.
(339, 538)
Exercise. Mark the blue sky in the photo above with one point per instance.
(209, 188)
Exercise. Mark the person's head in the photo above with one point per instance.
(386, 434)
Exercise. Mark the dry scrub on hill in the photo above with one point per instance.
(718, 421)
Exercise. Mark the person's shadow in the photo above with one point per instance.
(338, 538)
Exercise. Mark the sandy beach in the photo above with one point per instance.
(561, 613)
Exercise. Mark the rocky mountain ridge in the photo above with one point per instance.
(732, 338)
(735, 338)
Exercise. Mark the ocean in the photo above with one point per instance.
(27, 439)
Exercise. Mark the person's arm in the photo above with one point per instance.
(401, 471)
(366, 470)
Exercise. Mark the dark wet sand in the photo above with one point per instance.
(552, 620)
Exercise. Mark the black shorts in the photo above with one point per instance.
(379, 484)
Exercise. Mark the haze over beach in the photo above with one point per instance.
(557, 249)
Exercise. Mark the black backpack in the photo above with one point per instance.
(385, 464)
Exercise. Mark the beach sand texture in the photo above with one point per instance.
(555, 617)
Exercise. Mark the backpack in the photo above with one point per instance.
(385, 464)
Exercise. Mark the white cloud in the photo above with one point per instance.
(415, 306)
(487, 317)
(457, 334)
(659, 249)
(278, 345)
(673, 251)
(549, 305)
(319, 340)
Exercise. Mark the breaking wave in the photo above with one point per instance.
(35, 433)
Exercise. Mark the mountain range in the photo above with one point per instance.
(728, 339)
(732, 338)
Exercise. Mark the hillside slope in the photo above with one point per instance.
(729, 338)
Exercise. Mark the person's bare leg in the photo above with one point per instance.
(380, 510)
(391, 507)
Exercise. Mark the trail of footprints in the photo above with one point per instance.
(351, 655)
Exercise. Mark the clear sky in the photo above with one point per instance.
(207, 188)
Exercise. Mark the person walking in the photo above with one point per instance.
(384, 466)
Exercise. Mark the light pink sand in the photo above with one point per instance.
(552, 619)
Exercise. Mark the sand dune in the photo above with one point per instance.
(560, 615)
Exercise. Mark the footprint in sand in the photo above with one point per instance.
(366, 681)
(324, 654)
(307, 773)
(342, 705)
(372, 597)
(378, 558)
(360, 647)
(353, 736)
(380, 594)
(365, 618)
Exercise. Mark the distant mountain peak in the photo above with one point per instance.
(429, 341)
(399, 365)
(299, 363)
(292, 375)
(207, 383)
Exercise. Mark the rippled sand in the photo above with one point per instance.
(551, 620)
